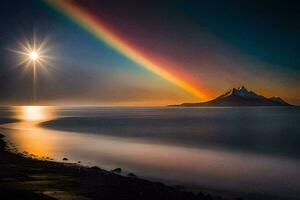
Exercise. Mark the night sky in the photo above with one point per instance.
(210, 45)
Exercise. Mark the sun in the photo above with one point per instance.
(33, 55)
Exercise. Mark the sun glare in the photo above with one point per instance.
(34, 113)
(33, 55)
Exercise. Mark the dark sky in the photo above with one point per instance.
(214, 45)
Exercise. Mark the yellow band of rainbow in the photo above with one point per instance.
(98, 29)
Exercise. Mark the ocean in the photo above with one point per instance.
(247, 150)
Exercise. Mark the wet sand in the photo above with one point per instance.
(24, 177)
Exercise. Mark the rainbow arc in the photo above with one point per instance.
(100, 31)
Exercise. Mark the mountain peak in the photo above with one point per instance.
(242, 88)
(241, 92)
(241, 96)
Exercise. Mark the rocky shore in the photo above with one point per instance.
(25, 177)
(28, 178)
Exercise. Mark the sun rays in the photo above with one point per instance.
(34, 54)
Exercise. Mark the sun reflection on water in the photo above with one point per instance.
(27, 134)
(34, 113)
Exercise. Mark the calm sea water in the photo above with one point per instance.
(247, 150)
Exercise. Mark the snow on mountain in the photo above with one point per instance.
(242, 92)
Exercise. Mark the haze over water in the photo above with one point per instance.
(253, 150)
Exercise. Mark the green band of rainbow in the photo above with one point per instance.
(98, 29)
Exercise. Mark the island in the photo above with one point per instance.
(235, 97)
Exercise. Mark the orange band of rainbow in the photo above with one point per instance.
(98, 29)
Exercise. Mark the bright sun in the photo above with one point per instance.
(33, 55)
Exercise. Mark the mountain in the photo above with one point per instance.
(239, 97)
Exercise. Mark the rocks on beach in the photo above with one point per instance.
(78, 181)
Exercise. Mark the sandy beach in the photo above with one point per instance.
(22, 176)
(28, 178)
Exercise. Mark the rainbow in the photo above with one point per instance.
(100, 31)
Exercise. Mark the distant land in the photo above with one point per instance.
(238, 97)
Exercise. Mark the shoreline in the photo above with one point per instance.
(29, 178)
(59, 178)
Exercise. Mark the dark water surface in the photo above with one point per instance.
(252, 150)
